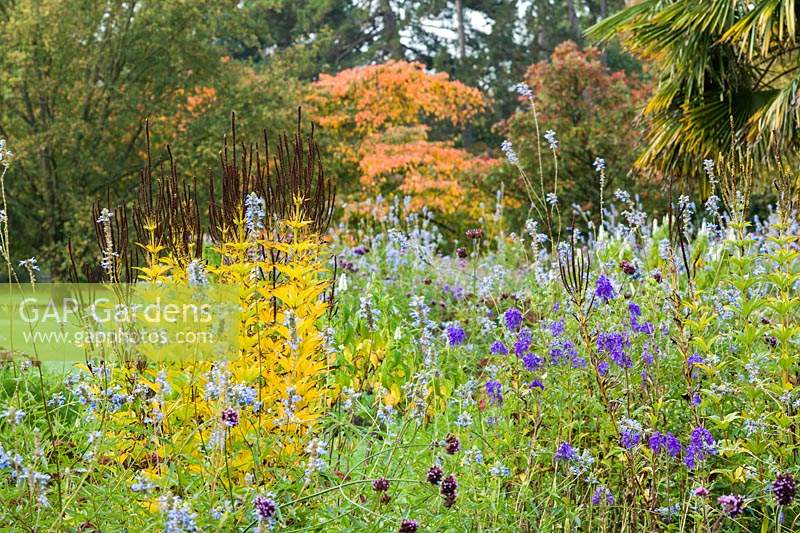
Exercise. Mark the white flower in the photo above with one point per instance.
(599, 164)
(550, 137)
(105, 216)
(255, 211)
(29, 264)
(523, 90)
(508, 149)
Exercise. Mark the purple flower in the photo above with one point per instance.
(494, 391)
(565, 452)
(634, 312)
(732, 504)
(230, 417)
(499, 348)
(435, 474)
(614, 344)
(694, 359)
(408, 525)
(784, 488)
(265, 507)
(536, 384)
(449, 490)
(630, 434)
(701, 492)
(579, 362)
(531, 362)
(701, 445)
(380, 485)
(647, 357)
(451, 444)
(668, 443)
(565, 351)
(629, 439)
(656, 442)
(523, 342)
(557, 328)
(604, 289)
(673, 445)
(602, 368)
(602, 493)
(455, 335)
(513, 318)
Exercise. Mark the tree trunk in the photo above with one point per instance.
(462, 45)
(574, 25)
(390, 32)
(466, 134)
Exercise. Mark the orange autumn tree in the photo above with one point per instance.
(378, 119)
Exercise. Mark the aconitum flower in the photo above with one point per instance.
(550, 137)
(536, 384)
(604, 289)
(230, 417)
(668, 443)
(732, 504)
(557, 328)
(495, 392)
(694, 359)
(498, 348)
(784, 489)
(701, 445)
(565, 452)
(614, 345)
(508, 149)
(630, 433)
(523, 342)
(531, 362)
(455, 335)
(513, 318)
(647, 357)
(602, 494)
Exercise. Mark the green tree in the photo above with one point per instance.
(80, 78)
(592, 111)
(726, 70)
(486, 44)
